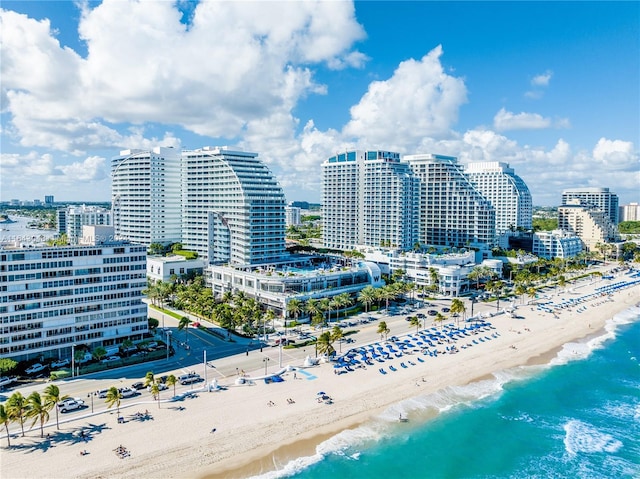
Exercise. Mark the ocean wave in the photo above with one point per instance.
(581, 437)
(574, 351)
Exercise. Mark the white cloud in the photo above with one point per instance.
(234, 65)
(543, 79)
(616, 155)
(419, 100)
(505, 120)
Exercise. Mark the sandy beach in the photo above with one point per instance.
(259, 425)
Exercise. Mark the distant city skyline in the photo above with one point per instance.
(298, 82)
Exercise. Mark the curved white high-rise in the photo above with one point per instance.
(506, 191)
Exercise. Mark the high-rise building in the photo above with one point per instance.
(55, 297)
(506, 191)
(72, 219)
(453, 212)
(146, 195)
(600, 198)
(630, 212)
(48, 200)
(293, 215)
(369, 198)
(232, 207)
(590, 223)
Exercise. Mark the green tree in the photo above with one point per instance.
(171, 381)
(149, 379)
(458, 307)
(114, 397)
(367, 296)
(153, 324)
(99, 353)
(155, 392)
(52, 397)
(183, 324)
(337, 334)
(17, 407)
(7, 365)
(439, 318)
(415, 321)
(5, 418)
(383, 329)
(325, 344)
(38, 410)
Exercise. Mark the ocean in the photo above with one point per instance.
(18, 231)
(576, 417)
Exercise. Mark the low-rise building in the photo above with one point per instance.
(556, 244)
(162, 268)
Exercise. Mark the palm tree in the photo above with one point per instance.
(458, 307)
(439, 318)
(415, 321)
(155, 392)
(312, 307)
(149, 379)
(113, 397)
(171, 381)
(343, 300)
(52, 397)
(520, 290)
(5, 418)
(337, 335)
(325, 306)
(184, 324)
(325, 344)
(17, 409)
(294, 306)
(38, 410)
(383, 329)
(367, 296)
(531, 291)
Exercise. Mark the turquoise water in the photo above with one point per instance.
(578, 417)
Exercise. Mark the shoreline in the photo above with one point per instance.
(254, 438)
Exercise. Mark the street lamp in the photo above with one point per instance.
(265, 361)
(73, 360)
(168, 333)
(90, 395)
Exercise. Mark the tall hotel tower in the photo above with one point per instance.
(452, 210)
(506, 191)
(233, 209)
(145, 195)
(368, 198)
(600, 198)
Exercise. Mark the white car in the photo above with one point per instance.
(36, 368)
(60, 363)
(161, 387)
(111, 359)
(127, 392)
(5, 381)
(70, 404)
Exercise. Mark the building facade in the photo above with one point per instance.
(369, 198)
(72, 219)
(452, 211)
(600, 198)
(146, 196)
(232, 207)
(163, 268)
(591, 224)
(556, 244)
(630, 212)
(507, 192)
(293, 216)
(53, 299)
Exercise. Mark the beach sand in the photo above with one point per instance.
(252, 437)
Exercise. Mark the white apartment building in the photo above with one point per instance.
(556, 244)
(592, 225)
(146, 196)
(630, 212)
(72, 219)
(507, 192)
(293, 216)
(163, 268)
(53, 298)
(232, 207)
(369, 198)
(600, 198)
(452, 211)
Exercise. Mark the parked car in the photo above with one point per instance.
(35, 368)
(137, 386)
(5, 381)
(161, 387)
(127, 392)
(110, 359)
(432, 312)
(445, 310)
(70, 404)
(189, 378)
(60, 363)
(102, 393)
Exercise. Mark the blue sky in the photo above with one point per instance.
(551, 88)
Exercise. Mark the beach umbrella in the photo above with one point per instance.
(322, 393)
